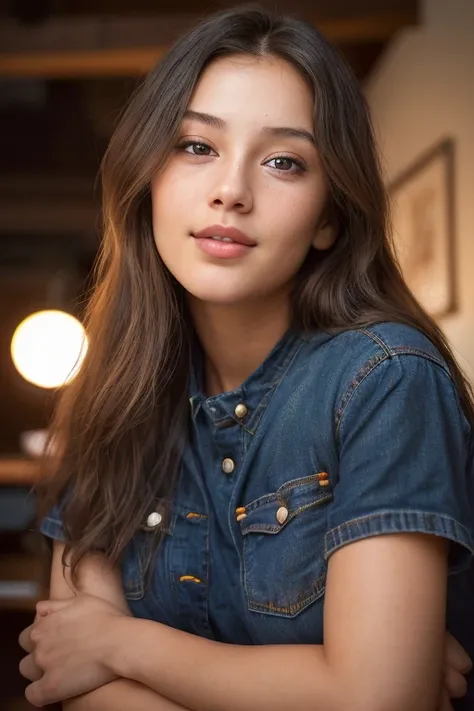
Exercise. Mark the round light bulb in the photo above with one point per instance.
(48, 348)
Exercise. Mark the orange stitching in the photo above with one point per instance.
(191, 514)
(183, 578)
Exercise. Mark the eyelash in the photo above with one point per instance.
(300, 168)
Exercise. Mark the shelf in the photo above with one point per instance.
(19, 471)
(22, 581)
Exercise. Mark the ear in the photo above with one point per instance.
(325, 236)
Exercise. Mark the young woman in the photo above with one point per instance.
(265, 467)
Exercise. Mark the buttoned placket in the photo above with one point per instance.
(223, 428)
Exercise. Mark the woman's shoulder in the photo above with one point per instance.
(380, 355)
(349, 354)
(386, 339)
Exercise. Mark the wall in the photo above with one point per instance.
(421, 91)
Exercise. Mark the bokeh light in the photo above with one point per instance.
(48, 348)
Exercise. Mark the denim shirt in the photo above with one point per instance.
(333, 439)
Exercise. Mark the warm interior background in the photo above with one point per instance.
(66, 68)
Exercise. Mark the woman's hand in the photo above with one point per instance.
(457, 664)
(67, 644)
(66, 648)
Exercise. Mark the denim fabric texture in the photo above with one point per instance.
(342, 437)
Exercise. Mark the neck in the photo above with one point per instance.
(236, 339)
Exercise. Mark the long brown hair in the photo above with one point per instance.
(121, 423)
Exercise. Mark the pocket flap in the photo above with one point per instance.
(271, 513)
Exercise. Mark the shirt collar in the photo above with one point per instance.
(254, 393)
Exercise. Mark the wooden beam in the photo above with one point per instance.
(130, 8)
(104, 53)
(19, 472)
(37, 216)
(81, 64)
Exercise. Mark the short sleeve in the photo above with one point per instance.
(404, 459)
(52, 525)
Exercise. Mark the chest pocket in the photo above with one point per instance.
(283, 549)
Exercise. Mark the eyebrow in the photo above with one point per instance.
(279, 131)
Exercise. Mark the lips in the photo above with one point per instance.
(226, 233)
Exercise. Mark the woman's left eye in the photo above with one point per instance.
(286, 164)
(198, 148)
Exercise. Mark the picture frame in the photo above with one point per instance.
(422, 203)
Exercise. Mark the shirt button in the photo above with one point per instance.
(228, 465)
(241, 410)
(154, 519)
(282, 514)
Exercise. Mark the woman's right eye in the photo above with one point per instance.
(197, 148)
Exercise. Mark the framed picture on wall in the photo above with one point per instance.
(422, 200)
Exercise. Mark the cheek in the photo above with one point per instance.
(164, 202)
(293, 220)
(169, 219)
(173, 192)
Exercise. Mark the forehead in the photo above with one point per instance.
(262, 90)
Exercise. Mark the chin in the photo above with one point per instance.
(216, 296)
(217, 293)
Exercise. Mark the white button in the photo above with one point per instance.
(241, 410)
(282, 514)
(228, 465)
(154, 519)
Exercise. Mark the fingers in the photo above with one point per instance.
(46, 607)
(444, 702)
(455, 683)
(24, 640)
(455, 656)
(29, 669)
(34, 696)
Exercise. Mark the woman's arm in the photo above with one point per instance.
(97, 578)
(121, 695)
(384, 624)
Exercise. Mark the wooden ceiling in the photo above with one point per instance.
(98, 38)
(68, 66)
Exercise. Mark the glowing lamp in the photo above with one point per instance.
(48, 348)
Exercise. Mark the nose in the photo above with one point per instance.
(232, 190)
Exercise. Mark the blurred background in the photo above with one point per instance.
(66, 69)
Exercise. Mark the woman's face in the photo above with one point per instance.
(245, 159)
